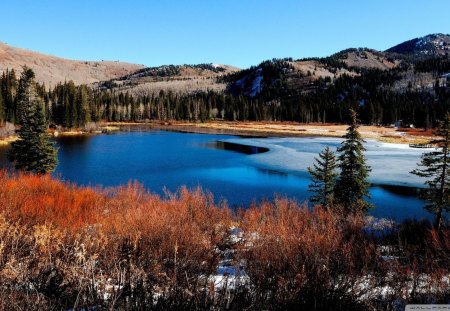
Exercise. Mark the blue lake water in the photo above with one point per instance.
(240, 175)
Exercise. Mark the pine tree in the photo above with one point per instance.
(323, 175)
(33, 151)
(436, 167)
(8, 91)
(352, 185)
(26, 95)
(84, 116)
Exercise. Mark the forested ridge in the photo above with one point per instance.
(413, 88)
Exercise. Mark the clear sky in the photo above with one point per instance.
(235, 32)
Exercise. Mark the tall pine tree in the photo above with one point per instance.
(26, 95)
(352, 185)
(436, 167)
(33, 151)
(323, 174)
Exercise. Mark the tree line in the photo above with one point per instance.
(370, 94)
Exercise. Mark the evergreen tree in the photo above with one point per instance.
(8, 91)
(352, 185)
(33, 151)
(26, 95)
(323, 175)
(84, 116)
(436, 167)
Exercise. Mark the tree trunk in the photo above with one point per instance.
(438, 219)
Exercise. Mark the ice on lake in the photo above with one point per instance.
(391, 163)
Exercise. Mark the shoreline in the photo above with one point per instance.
(291, 129)
(260, 129)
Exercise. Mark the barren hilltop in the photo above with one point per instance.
(51, 69)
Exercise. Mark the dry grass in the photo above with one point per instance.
(178, 86)
(51, 69)
(317, 69)
(385, 134)
(356, 59)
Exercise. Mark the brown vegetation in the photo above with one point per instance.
(63, 246)
(266, 128)
(367, 59)
(51, 69)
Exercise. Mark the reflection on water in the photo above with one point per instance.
(402, 190)
(160, 159)
(229, 146)
(272, 172)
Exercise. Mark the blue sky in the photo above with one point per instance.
(236, 32)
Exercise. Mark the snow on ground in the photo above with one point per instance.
(391, 163)
(230, 274)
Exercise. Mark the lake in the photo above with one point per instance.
(236, 169)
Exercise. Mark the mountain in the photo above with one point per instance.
(410, 61)
(278, 76)
(436, 44)
(137, 79)
(51, 69)
(409, 82)
(417, 63)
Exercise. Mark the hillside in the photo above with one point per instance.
(51, 69)
(431, 45)
(136, 79)
(419, 64)
(174, 78)
(274, 76)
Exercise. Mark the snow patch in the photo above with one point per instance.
(256, 86)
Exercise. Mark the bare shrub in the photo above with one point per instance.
(301, 258)
(69, 247)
